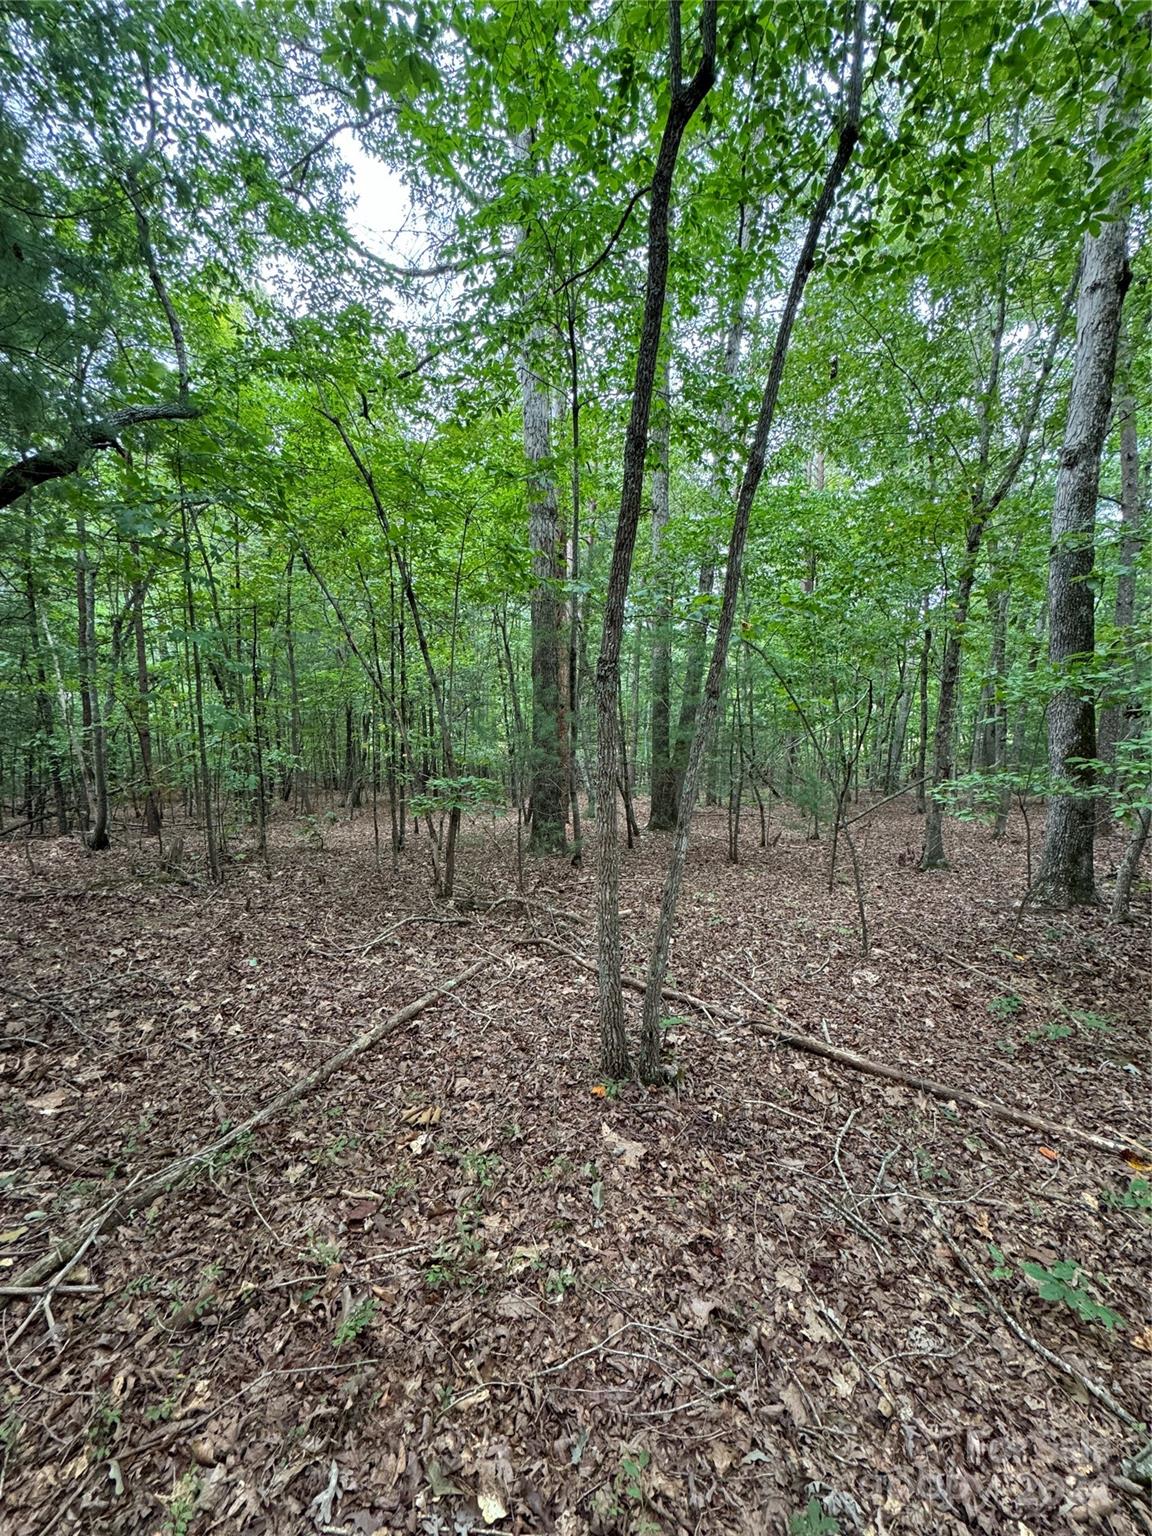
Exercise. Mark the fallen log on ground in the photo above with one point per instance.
(1128, 1146)
(143, 1191)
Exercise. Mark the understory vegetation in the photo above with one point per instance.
(575, 767)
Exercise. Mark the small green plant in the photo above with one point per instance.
(139, 1285)
(559, 1283)
(352, 1326)
(1063, 1283)
(238, 1152)
(928, 1170)
(812, 1521)
(103, 1424)
(1137, 1197)
(160, 1413)
(323, 1252)
(481, 1167)
(453, 1260)
(1084, 1022)
(182, 1505)
(1053, 1030)
(672, 1021)
(334, 1150)
(1004, 1007)
(1001, 1269)
(624, 1501)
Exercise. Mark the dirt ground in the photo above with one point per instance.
(469, 1285)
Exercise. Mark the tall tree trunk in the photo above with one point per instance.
(683, 102)
(899, 730)
(662, 777)
(1117, 718)
(142, 713)
(548, 788)
(698, 638)
(297, 780)
(1066, 876)
(97, 834)
(932, 855)
(922, 749)
(215, 868)
(43, 698)
(658, 963)
(575, 614)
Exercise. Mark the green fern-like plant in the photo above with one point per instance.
(1062, 1283)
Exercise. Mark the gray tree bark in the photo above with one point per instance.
(1066, 877)
(548, 786)
(662, 815)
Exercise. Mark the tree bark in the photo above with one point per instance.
(684, 101)
(38, 469)
(658, 962)
(547, 779)
(1129, 864)
(662, 778)
(1119, 715)
(1066, 876)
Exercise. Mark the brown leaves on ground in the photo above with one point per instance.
(460, 1289)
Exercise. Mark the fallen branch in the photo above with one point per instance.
(1126, 1145)
(1091, 1386)
(60, 1257)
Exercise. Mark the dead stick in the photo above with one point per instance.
(1092, 1387)
(161, 1182)
(797, 1042)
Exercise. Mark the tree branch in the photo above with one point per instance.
(36, 469)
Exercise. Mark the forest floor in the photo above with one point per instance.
(467, 1284)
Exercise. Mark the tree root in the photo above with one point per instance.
(60, 1258)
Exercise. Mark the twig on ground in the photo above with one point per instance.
(1117, 1142)
(67, 1251)
(1090, 1385)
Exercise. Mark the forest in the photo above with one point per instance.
(575, 767)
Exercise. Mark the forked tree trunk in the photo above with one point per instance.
(1066, 876)
(649, 1064)
(683, 102)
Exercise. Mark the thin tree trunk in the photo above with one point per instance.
(548, 787)
(922, 750)
(683, 102)
(658, 963)
(1118, 718)
(1129, 864)
(143, 709)
(215, 869)
(662, 775)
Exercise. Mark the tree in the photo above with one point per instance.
(1067, 875)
